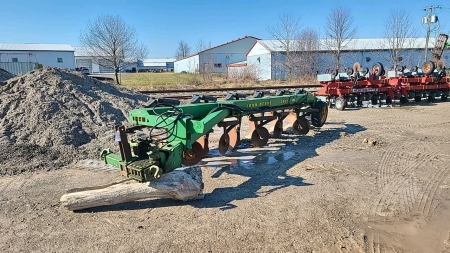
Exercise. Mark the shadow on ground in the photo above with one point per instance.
(264, 168)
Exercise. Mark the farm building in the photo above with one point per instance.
(156, 65)
(268, 57)
(84, 60)
(23, 57)
(216, 59)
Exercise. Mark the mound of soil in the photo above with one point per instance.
(5, 75)
(51, 117)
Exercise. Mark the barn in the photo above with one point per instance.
(268, 57)
(216, 59)
(22, 57)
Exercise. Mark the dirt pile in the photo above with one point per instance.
(5, 75)
(51, 117)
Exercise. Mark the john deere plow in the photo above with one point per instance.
(179, 133)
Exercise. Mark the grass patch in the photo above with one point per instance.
(170, 80)
(158, 79)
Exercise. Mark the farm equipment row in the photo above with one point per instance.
(361, 84)
(177, 134)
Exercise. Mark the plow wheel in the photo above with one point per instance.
(260, 139)
(340, 103)
(374, 101)
(377, 69)
(278, 129)
(417, 98)
(318, 118)
(428, 67)
(194, 155)
(301, 126)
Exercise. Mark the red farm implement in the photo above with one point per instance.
(361, 84)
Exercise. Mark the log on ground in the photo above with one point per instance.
(181, 184)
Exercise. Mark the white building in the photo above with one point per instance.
(84, 60)
(50, 55)
(165, 64)
(216, 59)
(267, 56)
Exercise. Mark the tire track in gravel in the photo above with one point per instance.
(5, 184)
(426, 201)
(11, 184)
(373, 242)
(383, 166)
(402, 179)
(95, 165)
(412, 198)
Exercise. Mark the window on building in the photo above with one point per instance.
(14, 59)
(60, 60)
(400, 58)
(217, 65)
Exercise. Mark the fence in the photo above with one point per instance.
(18, 68)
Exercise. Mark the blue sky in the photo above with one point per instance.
(162, 24)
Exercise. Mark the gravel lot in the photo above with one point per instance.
(370, 180)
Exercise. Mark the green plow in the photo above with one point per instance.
(178, 133)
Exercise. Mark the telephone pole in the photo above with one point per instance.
(430, 18)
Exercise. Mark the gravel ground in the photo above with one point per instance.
(5, 75)
(370, 180)
(50, 117)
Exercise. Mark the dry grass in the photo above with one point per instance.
(163, 81)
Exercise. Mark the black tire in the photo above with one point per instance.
(444, 98)
(319, 118)
(359, 103)
(388, 100)
(340, 103)
(430, 99)
(417, 99)
(428, 67)
(403, 100)
(374, 101)
(377, 69)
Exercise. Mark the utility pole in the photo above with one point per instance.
(430, 18)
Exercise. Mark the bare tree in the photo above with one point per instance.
(339, 31)
(183, 50)
(286, 34)
(206, 60)
(112, 44)
(399, 36)
(308, 45)
(201, 45)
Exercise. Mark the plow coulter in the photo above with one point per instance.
(179, 133)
